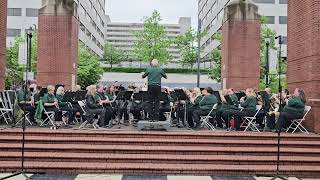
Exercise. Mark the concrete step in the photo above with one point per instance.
(159, 169)
(161, 135)
(159, 158)
(128, 149)
(155, 141)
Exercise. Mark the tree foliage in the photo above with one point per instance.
(152, 42)
(215, 73)
(14, 71)
(112, 55)
(187, 44)
(89, 67)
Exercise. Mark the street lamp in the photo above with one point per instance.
(267, 60)
(29, 48)
(199, 51)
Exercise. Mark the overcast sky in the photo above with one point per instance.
(135, 10)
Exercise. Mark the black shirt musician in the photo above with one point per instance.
(154, 74)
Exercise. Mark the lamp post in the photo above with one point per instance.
(267, 60)
(29, 48)
(199, 50)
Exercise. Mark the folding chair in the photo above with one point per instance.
(95, 121)
(169, 114)
(297, 123)
(205, 119)
(27, 119)
(49, 118)
(6, 109)
(250, 121)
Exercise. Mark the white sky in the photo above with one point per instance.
(135, 10)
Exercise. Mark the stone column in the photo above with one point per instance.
(304, 53)
(3, 35)
(57, 43)
(241, 45)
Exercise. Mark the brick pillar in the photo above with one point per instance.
(57, 43)
(304, 53)
(241, 46)
(3, 35)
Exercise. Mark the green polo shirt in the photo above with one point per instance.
(22, 96)
(154, 75)
(47, 98)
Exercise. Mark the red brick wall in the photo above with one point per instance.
(304, 54)
(304, 46)
(240, 54)
(3, 34)
(58, 49)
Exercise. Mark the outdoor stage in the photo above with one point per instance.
(159, 153)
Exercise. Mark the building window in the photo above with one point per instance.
(83, 28)
(13, 32)
(265, 1)
(32, 12)
(283, 19)
(283, 1)
(14, 11)
(270, 19)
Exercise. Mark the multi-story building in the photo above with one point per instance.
(211, 14)
(23, 14)
(120, 35)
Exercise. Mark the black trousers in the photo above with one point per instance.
(238, 115)
(136, 112)
(57, 113)
(196, 117)
(154, 93)
(71, 113)
(162, 110)
(30, 109)
(285, 119)
(98, 111)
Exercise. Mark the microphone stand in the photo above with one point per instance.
(278, 176)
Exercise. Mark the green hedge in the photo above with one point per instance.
(167, 70)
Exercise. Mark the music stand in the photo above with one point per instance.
(229, 100)
(80, 95)
(217, 95)
(127, 95)
(180, 95)
(68, 97)
(240, 94)
(163, 96)
(43, 91)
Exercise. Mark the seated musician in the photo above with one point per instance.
(106, 104)
(205, 106)
(50, 102)
(64, 106)
(95, 105)
(26, 103)
(165, 106)
(248, 103)
(195, 97)
(36, 96)
(293, 110)
(223, 114)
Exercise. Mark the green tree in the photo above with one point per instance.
(14, 71)
(152, 42)
(112, 55)
(89, 67)
(186, 43)
(215, 73)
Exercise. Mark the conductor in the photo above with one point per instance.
(154, 74)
